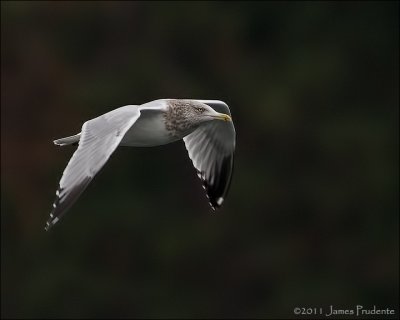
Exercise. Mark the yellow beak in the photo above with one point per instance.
(223, 117)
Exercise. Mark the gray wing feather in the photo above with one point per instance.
(99, 139)
(211, 148)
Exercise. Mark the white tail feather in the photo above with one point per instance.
(67, 140)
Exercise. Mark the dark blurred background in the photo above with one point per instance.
(312, 215)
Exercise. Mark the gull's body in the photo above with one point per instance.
(210, 143)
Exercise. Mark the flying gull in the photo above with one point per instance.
(205, 126)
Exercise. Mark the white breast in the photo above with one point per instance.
(148, 131)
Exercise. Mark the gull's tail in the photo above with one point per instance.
(68, 140)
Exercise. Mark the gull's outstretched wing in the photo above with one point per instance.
(211, 148)
(99, 138)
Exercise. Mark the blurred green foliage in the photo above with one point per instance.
(312, 215)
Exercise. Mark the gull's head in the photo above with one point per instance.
(183, 116)
(204, 113)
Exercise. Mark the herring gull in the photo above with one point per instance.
(209, 141)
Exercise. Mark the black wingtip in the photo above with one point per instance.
(47, 227)
(51, 221)
(53, 218)
(216, 203)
